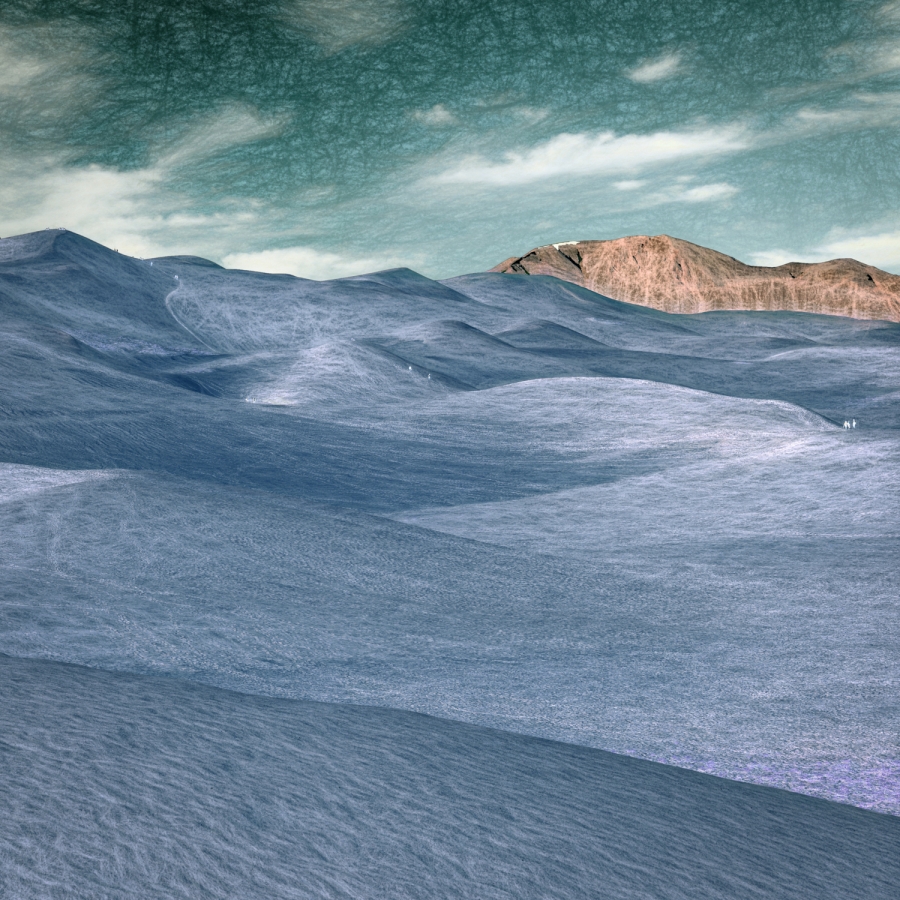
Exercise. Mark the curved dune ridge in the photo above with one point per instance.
(680, 277)
(135, 786)
(606, 550)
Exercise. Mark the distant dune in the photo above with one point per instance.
(680, 277)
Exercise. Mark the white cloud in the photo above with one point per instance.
(658, 69)
(134, 212)
(882, 250)
(772, 258)
(230, 126)
(678, 192)
(884, 59)
(532, 114)
(109, 206)
(569, 155)
(17, 66)
(48, 75)
(875, 249)
(718, 191)
(631, 184)
(878, 56)
(890, 11)
(137, 211)
(437, 115)
(868, 110)
(307, 262)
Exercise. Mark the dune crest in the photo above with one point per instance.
(677, 276)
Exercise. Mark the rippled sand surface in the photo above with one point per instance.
(276, 518)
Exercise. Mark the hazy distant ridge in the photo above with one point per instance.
(680, 277)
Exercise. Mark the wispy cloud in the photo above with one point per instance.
(18, 67)
(890, 11)
(629, 184)
(531, 114)
(307, 262)
(658, 69)
(864, 109)
(879, 55)
(857, 111)
(706, 192)
(772, 258)
(510, 103)
(139, 211)
(437, 115)
(132, 211)
(336, 24)
(876, 248)
(48, 78)
(230, 126)
(568, 155)
(679, 192)
(880, 249)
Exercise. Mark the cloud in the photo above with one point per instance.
(531, 114)
(134, 212)
(772, 258)
(336, 24)
(230, 126)
(307, 262)
(437, 115)
(881, 249)
(631, 184)
(869, 109)
(509, 104)
(48, 78)
(138, 211)
(704, 193)
(890, 12)
(856, 62)
(568, 155)
(111, 207)
(658, 69)
(679, 192)
(884, 59)
(18, 67)
(880, 55)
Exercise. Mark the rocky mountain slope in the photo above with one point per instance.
(680, 277)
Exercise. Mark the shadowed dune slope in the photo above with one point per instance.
(137, 786)
(510, 502)
(680, 277)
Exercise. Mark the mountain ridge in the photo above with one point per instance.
(676, 276)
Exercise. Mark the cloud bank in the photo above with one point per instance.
(307, 262)
(880, 249)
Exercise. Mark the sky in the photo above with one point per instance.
(333, 137)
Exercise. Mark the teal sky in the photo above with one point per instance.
(330, 137)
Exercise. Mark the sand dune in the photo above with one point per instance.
(556, 523)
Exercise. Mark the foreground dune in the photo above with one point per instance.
(240, 510)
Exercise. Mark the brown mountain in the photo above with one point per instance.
(679, 277)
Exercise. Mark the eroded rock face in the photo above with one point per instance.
(679, 277)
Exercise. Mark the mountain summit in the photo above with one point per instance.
(680, 277)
